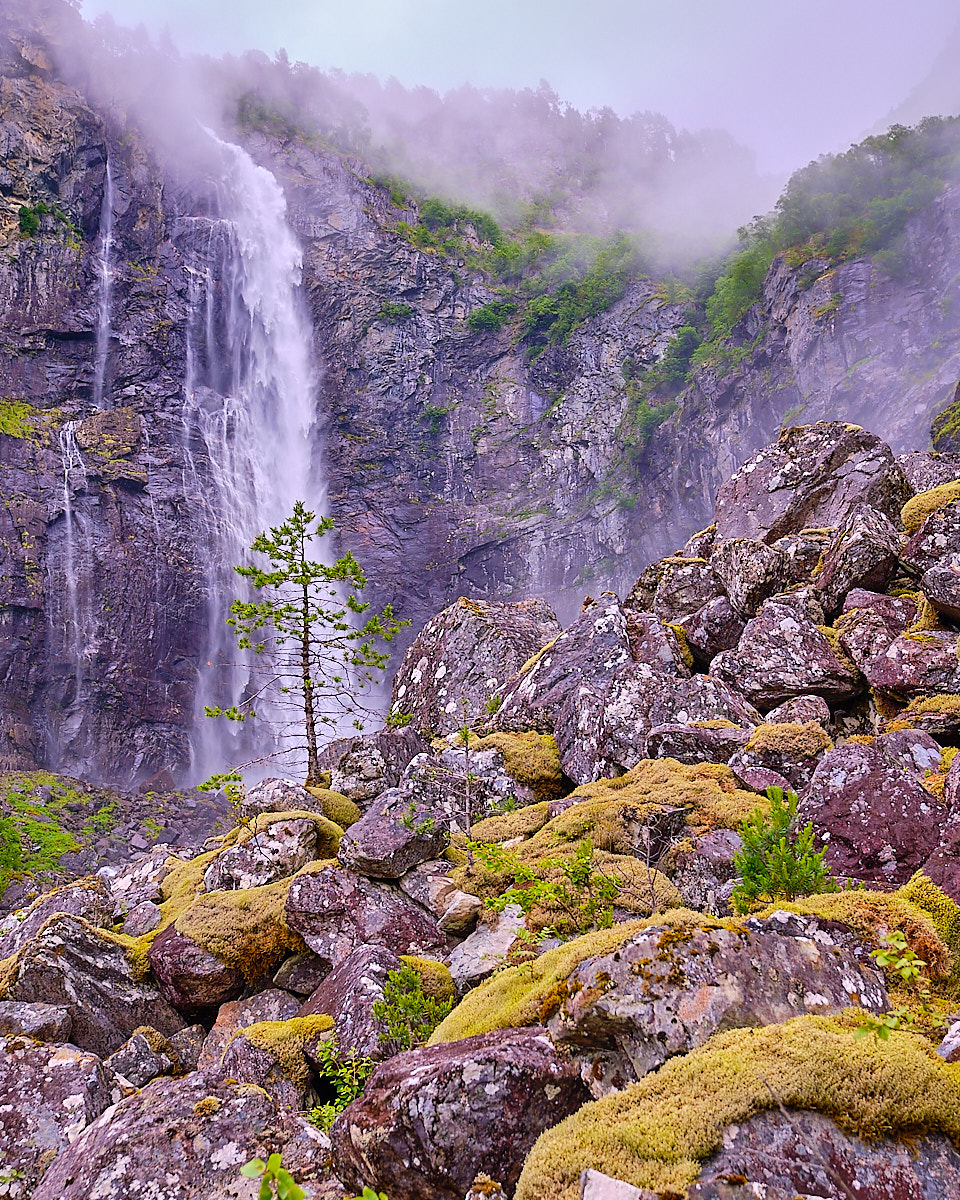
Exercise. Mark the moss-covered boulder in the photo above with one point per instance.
(656, 1133)
(272, 1055)
(790, 749)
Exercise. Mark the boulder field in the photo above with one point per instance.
(500, 954)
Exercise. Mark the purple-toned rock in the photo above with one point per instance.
(802, 553)
(750, 570)
(50, 1095)
(335, 910)
(941, 586)
(505, 1089)
(876, 821)
(710, 629)
(655, 643)
(87, 898)
(799, 711)
(138, 1062)
(783, 654)
(949, 1048)
(789, 749)
(272, 1004)
(923, 470)
(364, 766)
(943, 865)
(780, 1158)
(699, 544)
(430, 885)
(301, 974)
(665, 991)
(348, 995)
(863, 554)
(912, 751)
(684, 586)
(871, 622)
(142, 918)
(187, 1044)
(275, 1062)
(695, 743)
(936, 542)
(915, 664)
(71, 964)
(467, 653)
(951, 787)
(44, 1022)
(194, 1131)
(190, 977)
(813, 477)
(704, 875)
(640, 701)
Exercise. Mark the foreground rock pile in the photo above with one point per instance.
(164, 1024)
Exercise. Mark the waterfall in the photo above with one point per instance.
(76, 634)
(102, 348)
(248, 409)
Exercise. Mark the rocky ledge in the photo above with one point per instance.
(505, 951)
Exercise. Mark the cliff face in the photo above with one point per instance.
(451, 464)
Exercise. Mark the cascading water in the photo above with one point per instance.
(247, 416)
(102, 349)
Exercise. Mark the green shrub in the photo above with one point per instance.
(346, 1072)
(29, 222)
(391, 311)
(409, 1013)
(492, 316)
(777, 861)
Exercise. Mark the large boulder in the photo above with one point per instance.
(50, 1095)
(191, 978)
(271, 850)
(710, 629)
(72, 964)
(937, 541)
(812, 478)
(783, 654)
(348, 995)
(430, 1119)
(335, 911)
(667, 989)
(363, 766)
(750, 570)
(792, 750)
(915, 664)
(871, 622)
(87, 898)
(862, 554)
(684, 586)
(875, 819)
(272, 1004)
(185, 1138)
(465, 655)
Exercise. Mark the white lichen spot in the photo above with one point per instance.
(228, 1156)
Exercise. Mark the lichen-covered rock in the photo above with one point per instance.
(301, 974)
(272, 1055)
(44, 1022)
(335, 910)
(710, 629)
(813, 477)
(669, 988)
(871, 622)
(703, 871)
(272, 1004)
(272, 851)
(348, 995)
(802, 553)
(186, 1138)
(941, 586)
(790, 749)
(783, 654)
(140, 1059)
(664, 647)
(800, 710)
(862, 554)
(504, 1088)
(943, 865)
(915, 664)
(486, 949)
(912, 751)
(277, 796)
(936, 542)
(431, 886)
(142, 918)
(750, 571)
(50, 1095)
(87, 898)
(70, 963)
(362, 767)
(139, 883)
(923, 470)
(683, 587)
(463, 656)
(695, 743)
(876, 821)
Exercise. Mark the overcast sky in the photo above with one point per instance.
(791, 79)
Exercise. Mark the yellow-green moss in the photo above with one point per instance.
(520, 823)
(843, 658)
(915, 909)
(945, 426)
(927, 618)
(683, 645)
(516, 996)
(656, 1133)
(916, 510)
(946, 705)
(285, 1040)
(535, 658)
(532, 759)
(860, 739)
(207, 1106)
(435, 978)
(792, 739)
(337, 808)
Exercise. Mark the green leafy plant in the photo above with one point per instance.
(408, 819)
(492, 704)
(897, 959)
(275, 1181)
(302, 632)
(777, 860)
(368, 1194)
(409, 1013)
(391, 311)
(347, 1073)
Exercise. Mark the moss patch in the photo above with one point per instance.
(946, 707)
(435, 978)
(791, 739)
(916, 510)
(656, 1133)
(337, 808)
(532, 759)
(285, 1040)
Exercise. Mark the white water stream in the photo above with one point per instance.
(248, 411)
(102, 350)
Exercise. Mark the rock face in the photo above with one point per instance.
(505, 1088)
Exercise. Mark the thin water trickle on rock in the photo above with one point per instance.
(102, 349)
(247, 416)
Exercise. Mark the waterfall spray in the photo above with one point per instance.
(102, 349)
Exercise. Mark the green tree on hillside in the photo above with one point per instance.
(301, 626)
